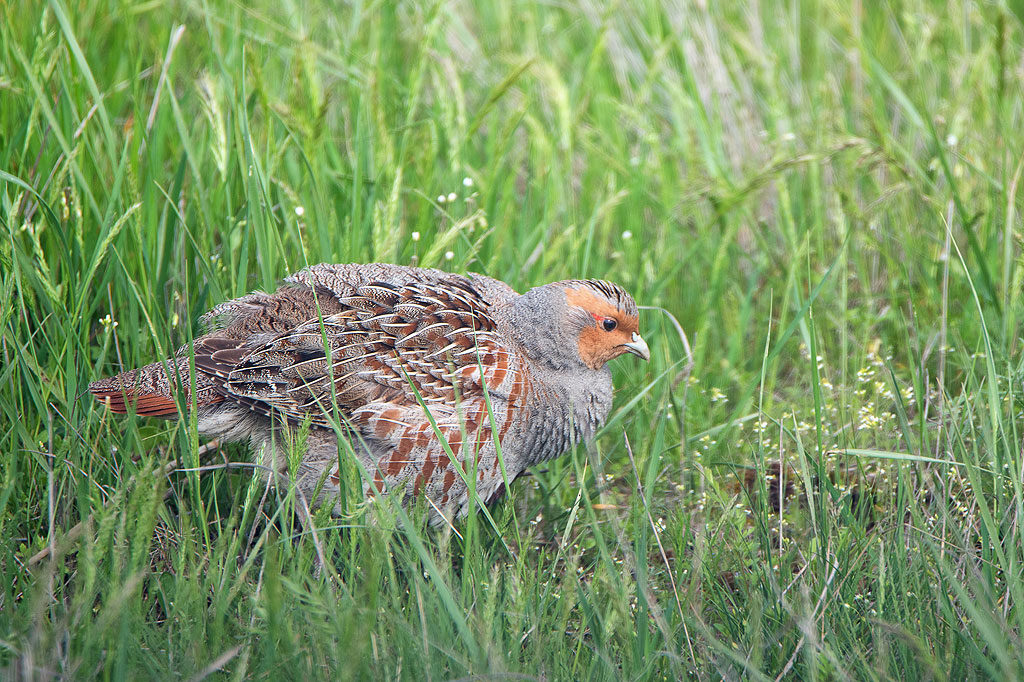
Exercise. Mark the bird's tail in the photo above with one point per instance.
(146, 389)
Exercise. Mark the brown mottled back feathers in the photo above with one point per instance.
(384, 343)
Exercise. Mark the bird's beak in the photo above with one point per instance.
(638, 347)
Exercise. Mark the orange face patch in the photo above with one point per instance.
(597, 346)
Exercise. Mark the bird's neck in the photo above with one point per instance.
(570, 407)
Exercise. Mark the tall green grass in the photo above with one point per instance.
(825, 195)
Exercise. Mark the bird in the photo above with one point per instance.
(430, 378)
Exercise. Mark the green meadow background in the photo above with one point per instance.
(817, 476)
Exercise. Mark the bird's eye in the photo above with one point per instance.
(609, 324)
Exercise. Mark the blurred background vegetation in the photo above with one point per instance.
(823, 193)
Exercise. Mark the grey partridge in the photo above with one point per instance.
(411, 366)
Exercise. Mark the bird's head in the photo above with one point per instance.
(610, 323)
(577, 322)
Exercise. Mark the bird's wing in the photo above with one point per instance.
(378, 342)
